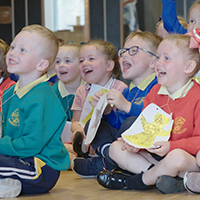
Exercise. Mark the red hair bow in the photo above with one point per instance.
(195, 38)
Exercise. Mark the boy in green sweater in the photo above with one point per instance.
(31, 152)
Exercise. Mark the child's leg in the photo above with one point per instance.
(71, 152)
(192, 178)
(34, 175)
(177, 162)
(133, 162)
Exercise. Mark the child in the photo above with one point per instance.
(171, 22)
(66, 67)
(160, 30)
(99, 67)
(5, 81)
(137, 64)
(178, 94)
(31, 152)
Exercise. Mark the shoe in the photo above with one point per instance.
(88, 167)
(77, 143)
(10, 188)
(192, 182)
(112, 179)
(168, 184)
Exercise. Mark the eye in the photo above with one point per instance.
(81, 60)
(67, 61)
(12, 47)
(22, 50)
(57, 62)
(157, 57)
(192, 21)
(166, 58)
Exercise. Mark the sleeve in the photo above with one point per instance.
(169, 16)
(40, 118)
(192, 143)
(79, 99)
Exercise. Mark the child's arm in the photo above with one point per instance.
(170, 19)
(75, 126)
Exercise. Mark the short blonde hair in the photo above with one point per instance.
(109, 52)
(183, 42)
(50, 49)
(72, 46)
(4, 48)
(194, 5)
(153, 39)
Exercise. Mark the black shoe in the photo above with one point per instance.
(168, 184)
(112, 180)
(77, 143)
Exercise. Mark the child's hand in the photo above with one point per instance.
(128, 147)
(116, 98)
(162, 148)
(96, 98)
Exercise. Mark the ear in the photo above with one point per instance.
(111, 65)
(43, 65)
(190, 67)
(152, 63)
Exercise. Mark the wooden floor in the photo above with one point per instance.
(72, 187)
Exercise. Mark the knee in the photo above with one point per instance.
(178, 157)
(114, 149)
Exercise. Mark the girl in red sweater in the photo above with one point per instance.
(176, 93)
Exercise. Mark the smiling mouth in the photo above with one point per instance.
(161, 73)
(88, 71)
(63, 73)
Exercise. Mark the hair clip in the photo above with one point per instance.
(158, 22)
(69, 42)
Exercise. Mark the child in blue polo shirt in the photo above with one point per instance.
(137, 63)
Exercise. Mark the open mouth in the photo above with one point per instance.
(161, 73)
(126, 65)
(63, 73)
(87, 71)
(12, 62)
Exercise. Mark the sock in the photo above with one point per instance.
(136, 183)
(83, 146)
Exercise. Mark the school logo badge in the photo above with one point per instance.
(14, 119)
(178, 123)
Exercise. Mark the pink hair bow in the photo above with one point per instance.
(195, 39)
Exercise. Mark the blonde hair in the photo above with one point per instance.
(194, 5)
(74, 47)
(50, 49)
(183, 42)
(4, 48)
(153, 39)
(109, 52)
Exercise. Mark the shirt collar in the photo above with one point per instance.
(63, 90)
(179, 93)
(22, 91)
(142, 86)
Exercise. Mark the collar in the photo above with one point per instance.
(52, 75)
(109, 84)
(179, 93)
(22, 91)
(142, 86)
(63, 90)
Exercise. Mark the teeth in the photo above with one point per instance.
(87, 70)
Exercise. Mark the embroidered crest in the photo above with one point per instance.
(14, 119)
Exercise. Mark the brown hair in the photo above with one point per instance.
(183, 42)
(4, 48)
(153, 39)
(50, 49)
(110, 53)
